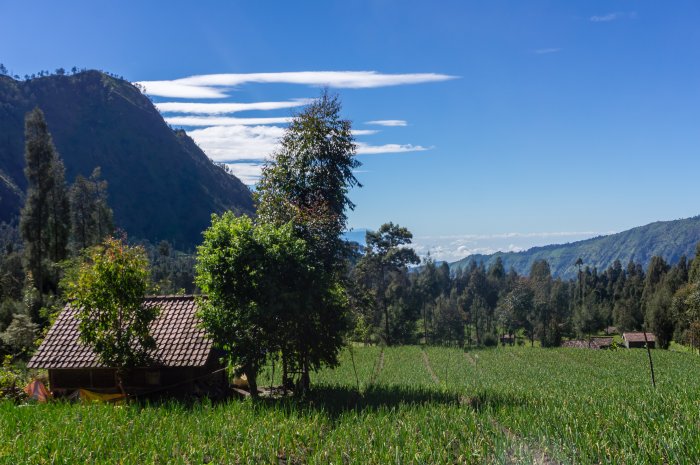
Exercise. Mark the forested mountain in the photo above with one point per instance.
(667, 239)
(161, 185)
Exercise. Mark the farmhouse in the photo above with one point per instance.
(636, 340)
(183, 363)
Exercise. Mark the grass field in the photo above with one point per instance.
(438, 405)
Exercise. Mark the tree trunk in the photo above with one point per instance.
(251, 373)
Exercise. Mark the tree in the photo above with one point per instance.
(310, 176)
(307, 182)
(255, 278)
(43, 220)
(91, 216)
(20, 334)
(385, 254)
(108, 288)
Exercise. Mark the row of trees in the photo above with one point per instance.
(477, 305)
(43, 73)
(57, 222)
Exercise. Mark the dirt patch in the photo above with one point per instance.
(378, 367)
(426, 361)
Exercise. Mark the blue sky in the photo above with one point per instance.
(530, 123)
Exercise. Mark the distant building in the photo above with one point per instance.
(183, 363)
(592, 343)
(637, 341)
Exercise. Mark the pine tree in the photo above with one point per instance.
(91, 216)
(44, 217)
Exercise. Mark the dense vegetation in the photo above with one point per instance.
(161, 185)
(669, 240)
(441, 405)
(478, 304)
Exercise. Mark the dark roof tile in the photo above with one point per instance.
(179, 341)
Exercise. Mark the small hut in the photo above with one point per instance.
(183, 362)
(636, 340)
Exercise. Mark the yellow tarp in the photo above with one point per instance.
(90, 396)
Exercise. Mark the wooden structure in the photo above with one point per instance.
(636, 340)
(183, 362)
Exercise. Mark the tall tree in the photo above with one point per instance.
(385, 254)
(307, 182)
(44, 217)
(310, 176)
(91, 216)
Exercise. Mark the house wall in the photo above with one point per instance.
(160, 380)
(639, 345)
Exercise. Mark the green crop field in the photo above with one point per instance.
(438, 405)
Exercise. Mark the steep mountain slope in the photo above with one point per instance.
(669, 239)
(161, 185)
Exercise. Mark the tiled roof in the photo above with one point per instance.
(638, 337)
(179, 342)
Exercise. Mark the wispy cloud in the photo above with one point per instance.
(388, 122)
(364, 132)
(223, 121)
(613, 16)
(216, 85)
(225, 108)
(546, 51)
(366, 149)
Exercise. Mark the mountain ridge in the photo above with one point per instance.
(668, 239)
(161, 184)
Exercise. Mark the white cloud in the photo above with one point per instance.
(248, 173)
(223, 121)
(546, 51)
(364, 132)
(238, 143)
(178, 90)
(215, 85)
(224, 108)
(366, 149)
(388, 122)
(612, 17)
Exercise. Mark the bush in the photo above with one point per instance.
(11, 381)
(490, 340)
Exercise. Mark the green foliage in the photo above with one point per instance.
(91, 216)
(44, 218)
(381, 272)
(20, 335)
(255, 278)
(108, 288)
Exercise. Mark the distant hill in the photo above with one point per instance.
(669, 239)
(161, 184)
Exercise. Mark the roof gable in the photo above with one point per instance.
(179, 340)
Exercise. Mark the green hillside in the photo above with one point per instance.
(161, 185)
(668, 239)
